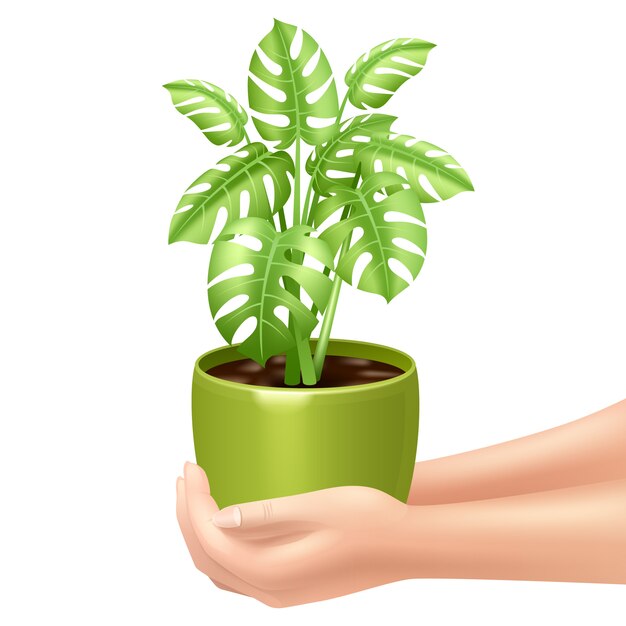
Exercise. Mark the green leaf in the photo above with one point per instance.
(222, 187)
(302, 90)
(216, 113)
(379, 73)
(370, 203)
(263, 287)
(331, 160)
(442, 172)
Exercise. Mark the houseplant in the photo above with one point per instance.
(275, 275)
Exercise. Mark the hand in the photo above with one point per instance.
(295, 549)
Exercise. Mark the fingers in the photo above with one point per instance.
(300, 512)
(204, 546)
(183, 521)
(198, 555)
(200, 508)
(200, 505)
(221, 577)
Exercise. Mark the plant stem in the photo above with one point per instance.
(292, 367)
(305, 206)
(322, 343)
(246, 136)
(295, 359)
(309, 213)
(296, 187)
(314, 308)
(329, 317)
(282, 220)
(331, 307)
(311, 367)
(342, 107)
(305, 359)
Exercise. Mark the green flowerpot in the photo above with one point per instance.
(262, 442)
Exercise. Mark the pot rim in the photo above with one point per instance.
(233, 386)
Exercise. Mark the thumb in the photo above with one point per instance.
(292, 509)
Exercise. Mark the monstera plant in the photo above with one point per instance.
(291, 230)
(282, 412)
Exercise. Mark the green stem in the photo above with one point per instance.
(295, 360)
(322, 343)
(246, 136)
(305, 360)
(305, 206)
(331, 308)
(314, 308)
(282, 220)
(310, 367)
(342, 107)
(309, 213)
(292, 368)
(296, 187)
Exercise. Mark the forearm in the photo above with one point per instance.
(576, 534)
(591, 449)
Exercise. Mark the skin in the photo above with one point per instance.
(588, 450)
(551, 506)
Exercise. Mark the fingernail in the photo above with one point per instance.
(228, 518)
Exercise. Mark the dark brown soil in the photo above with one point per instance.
(339, 371)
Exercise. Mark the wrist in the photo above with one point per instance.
(487, 539)
(434, 541)
(400, 550)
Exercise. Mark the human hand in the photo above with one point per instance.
(295, 549)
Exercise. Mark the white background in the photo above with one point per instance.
(517, 322)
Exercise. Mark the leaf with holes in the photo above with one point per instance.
(223, 185)
(216, 113)
(290, 77)
(379, 73)
(263, 286)
(333, 162)
(381, 238)
(427, 168)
